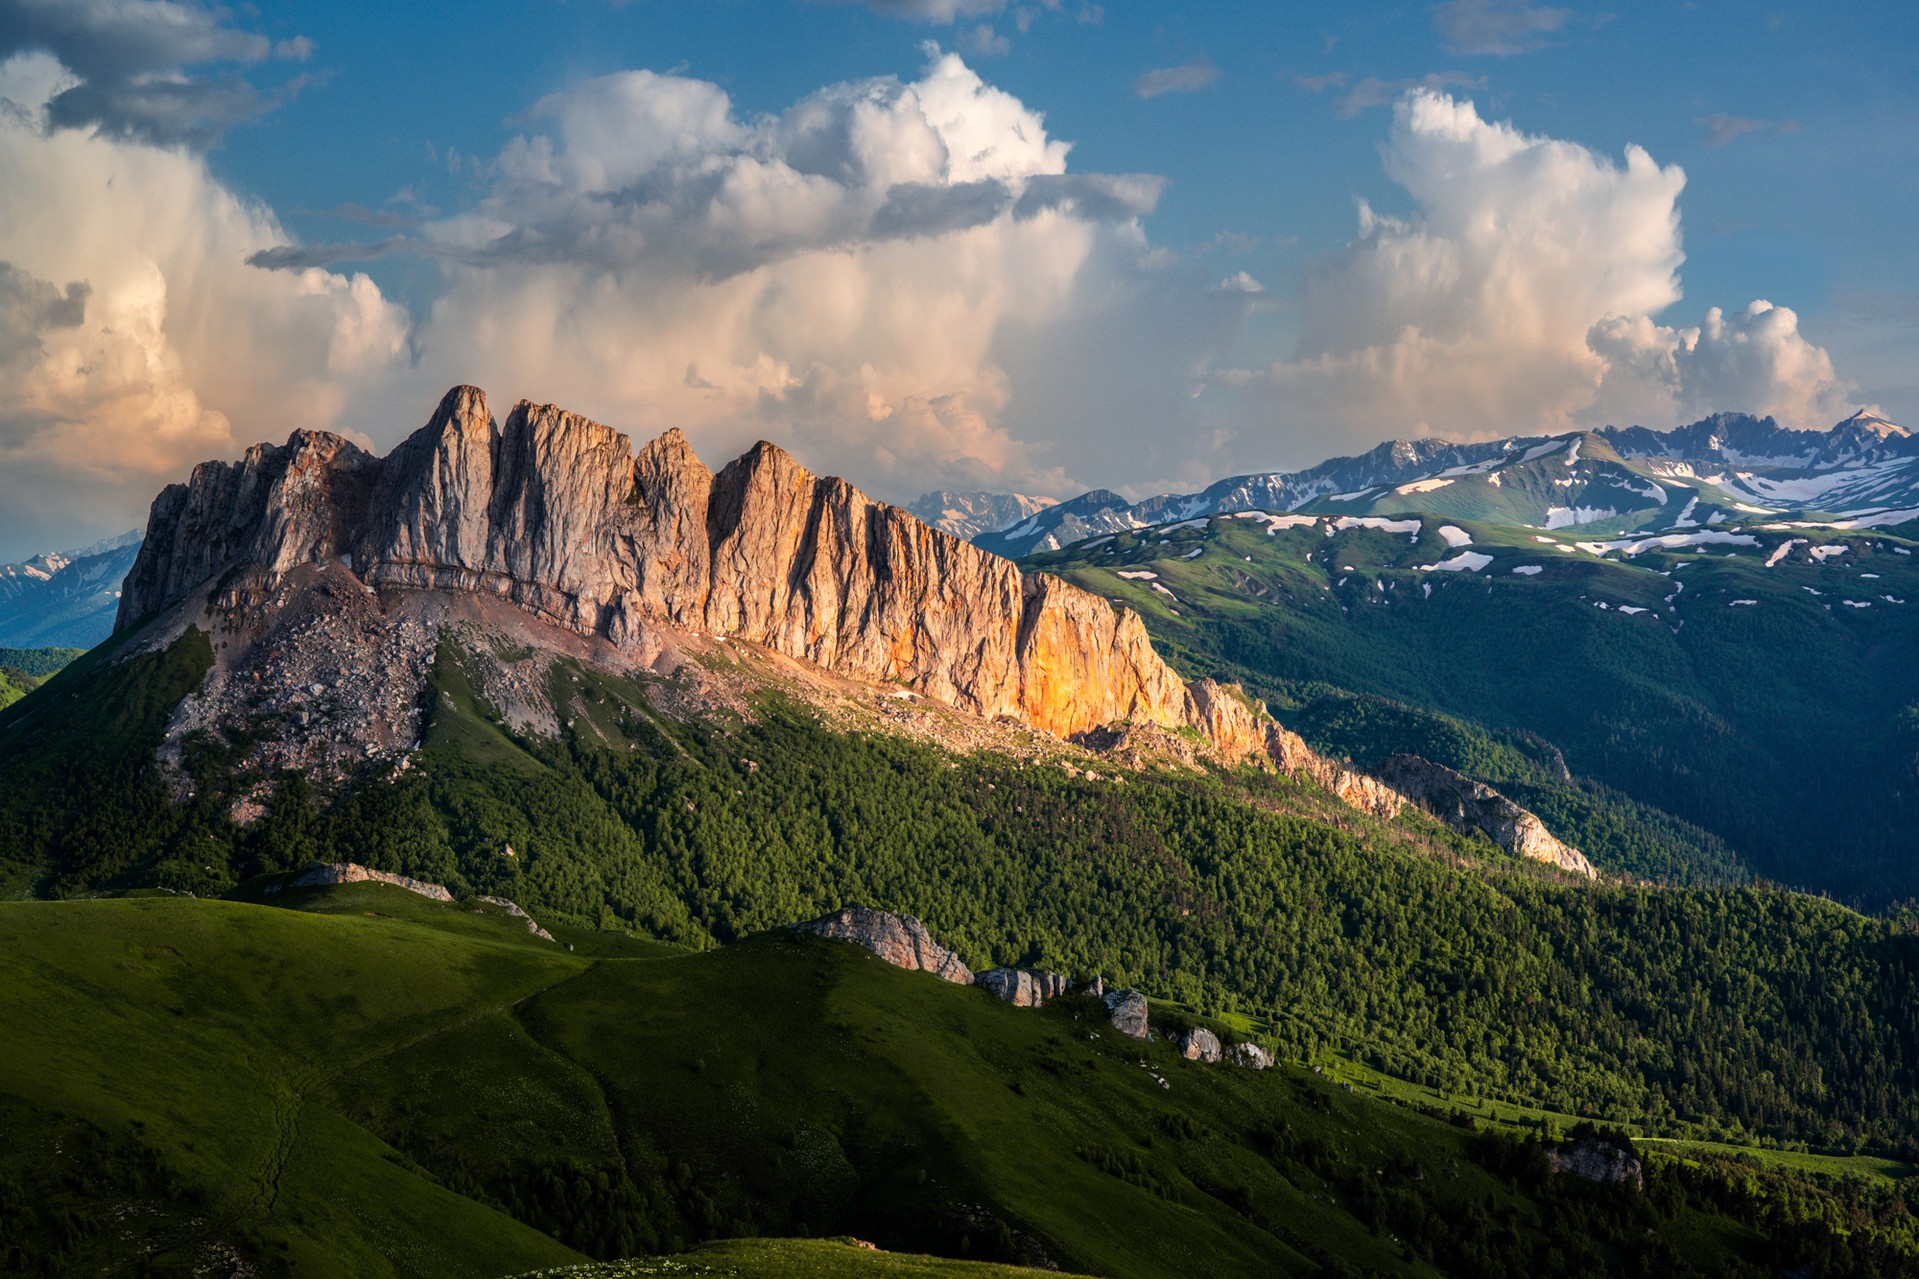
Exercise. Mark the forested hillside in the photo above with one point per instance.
(1722, 701)
(1729, 1012)
(371, 1083)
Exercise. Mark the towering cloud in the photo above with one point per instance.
(1519, 294)
(132, 333)
(836, 277)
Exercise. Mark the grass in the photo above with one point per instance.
(362, 1081)
(793, 1259)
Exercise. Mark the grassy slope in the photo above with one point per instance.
(369, 1085)
(199, 1037)
(792, 1259)
(1244, 894)
(1782, 728)
(24, 669)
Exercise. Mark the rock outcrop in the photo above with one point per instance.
(1022, 987)
(1598, 1160)
(560, 515)
(1199, 1044)
(1127, 1009)
(1465, 804)
(1368, 794)
(1250, 1056)
(324, 874)
(900, 940)
(513, 908)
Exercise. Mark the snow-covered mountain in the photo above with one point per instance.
(1730, 467)
(971, 513)
(65, 598)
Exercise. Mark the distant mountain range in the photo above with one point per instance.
(65, 598)
(970, 514)
(1864, 472)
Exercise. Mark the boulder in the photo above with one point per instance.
(1199, 1044)
(1597, 1160)
(1251, 1056)
(1127, 1008)
(900, 940)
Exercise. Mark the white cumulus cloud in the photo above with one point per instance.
(838, 277)
(1518, 294)
(165, 348)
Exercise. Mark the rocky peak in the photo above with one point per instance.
(560, 515)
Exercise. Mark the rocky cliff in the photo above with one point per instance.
(1465, 804)
(563, 517)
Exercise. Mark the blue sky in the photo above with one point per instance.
(1131, 246)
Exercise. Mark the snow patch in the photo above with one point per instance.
(1455, 536)
(1783, 549)
(1668, 541)
(1470, 561)
(1529, 570)
(1423, 486)
(1377, 522)
(1737, 603)
(1138, 575)
(1567, 516)
(1632, 610)
(1824, 553)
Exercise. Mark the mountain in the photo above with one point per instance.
(667, 710)
(651, 549)
(1676, 704)
(65, 598)
(1864, 472)
(967, 515)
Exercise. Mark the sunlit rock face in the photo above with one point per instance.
(560, 515)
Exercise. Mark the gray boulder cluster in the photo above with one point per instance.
(903, 942)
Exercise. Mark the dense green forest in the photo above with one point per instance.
(1731, 1012)
(24, 669)
(1718, 707)
(364, 1082)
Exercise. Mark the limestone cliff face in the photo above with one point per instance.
(561, 516)
(275, 508)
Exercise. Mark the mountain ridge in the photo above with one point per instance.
(1864, 466)
(563, 517)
